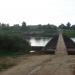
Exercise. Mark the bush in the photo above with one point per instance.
(13, 42)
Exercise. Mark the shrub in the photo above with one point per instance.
(13, 42)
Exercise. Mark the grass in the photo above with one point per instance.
(11, 53)
(6, 62)
(9, 59)
(5, 53)
(4, 66)
(69, 33)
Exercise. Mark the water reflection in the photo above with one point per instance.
(73, 39)
(39, 41)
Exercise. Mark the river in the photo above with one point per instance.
(41, 41)
(73, 39)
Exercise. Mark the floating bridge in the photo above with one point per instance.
(59, 44)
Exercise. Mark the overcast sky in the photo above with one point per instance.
(37, 11)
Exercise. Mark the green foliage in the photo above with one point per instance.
(68, 25)
(4, 66)
(62, 26)
(13, 42)
(24, 28)
(70, 33)
(73, 27)
(42, 30)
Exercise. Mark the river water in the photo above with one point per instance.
(73, 39)
(41, 41)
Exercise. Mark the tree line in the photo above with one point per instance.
(68, 26)
(30, 30)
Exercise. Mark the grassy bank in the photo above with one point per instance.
(10, 59)
(12, 46)
(6, 62)
(69, 33)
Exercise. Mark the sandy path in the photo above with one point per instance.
(61, 48)
(28, 66)
(59, 64)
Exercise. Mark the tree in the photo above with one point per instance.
(13, 42)
(68, 25)
(3, 25)
(73, 27)
(24, 25)
(62, 26)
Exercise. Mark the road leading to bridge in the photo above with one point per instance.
(61, 48)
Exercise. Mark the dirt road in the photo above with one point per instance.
(59, 64)
(61, 48)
